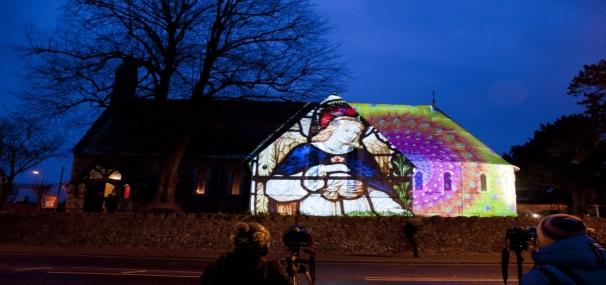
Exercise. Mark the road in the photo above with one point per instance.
(59, 269)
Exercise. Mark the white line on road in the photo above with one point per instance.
(433, 279)
(134, 271)
(32, 268)
(105, 268)
(122, 274)
(419, 263)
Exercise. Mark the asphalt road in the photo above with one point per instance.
(58, 269)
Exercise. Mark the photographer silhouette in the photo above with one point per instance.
(295, 238)
(246, 264)
(566, 254)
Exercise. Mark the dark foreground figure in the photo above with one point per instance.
(566, 254)
(246, 264)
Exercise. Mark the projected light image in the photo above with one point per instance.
(364, 159)
(329, 163)
(455, 174)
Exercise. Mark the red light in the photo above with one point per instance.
(126, 191)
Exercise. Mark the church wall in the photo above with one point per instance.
(498, 198)
(466, 196)
(431, 197)
(448, 160)
(331, 163)
(210, 232)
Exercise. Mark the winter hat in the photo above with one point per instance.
(562, 226)
(252, 237)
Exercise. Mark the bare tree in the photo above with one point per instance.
(23, 145)
(191, 49)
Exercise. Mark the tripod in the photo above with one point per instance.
(301, 271)
(505, 264)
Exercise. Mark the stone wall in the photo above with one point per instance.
(345, 235)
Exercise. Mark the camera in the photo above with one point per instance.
(296, 237)
(520, 238)
(299, 269)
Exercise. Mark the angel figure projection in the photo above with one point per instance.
(333, 173)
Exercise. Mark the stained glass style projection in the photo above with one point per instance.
(455, 174)
(331, 162)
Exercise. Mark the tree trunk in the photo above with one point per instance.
(169, 178)
(6, 187)
(580, 199)
(172, 158)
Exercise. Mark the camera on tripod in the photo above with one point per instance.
(295, 238)
(517, 240)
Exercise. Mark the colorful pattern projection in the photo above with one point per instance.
(455, 174)
(331, 162)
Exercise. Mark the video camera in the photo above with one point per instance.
(517, 239)
(295, 238)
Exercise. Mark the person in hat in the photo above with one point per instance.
(246, 264)
(566, 254)
(333, 174)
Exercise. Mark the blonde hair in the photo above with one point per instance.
(326, 133)
(250, 236)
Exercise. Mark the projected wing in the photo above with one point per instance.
(378, 145)
(269, 159)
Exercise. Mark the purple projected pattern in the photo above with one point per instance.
(450, 160)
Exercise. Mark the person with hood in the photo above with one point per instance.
(566, 254)
(246, 264)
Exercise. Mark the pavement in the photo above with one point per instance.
(405, 258)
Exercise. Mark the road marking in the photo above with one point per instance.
(32, 268)
(131, 269)
(122, 274)
(105, 268)
(134, 271)
(433, 279)
(418, 263)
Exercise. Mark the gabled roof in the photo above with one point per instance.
(239, 129)
(426, 133)
(228, 128)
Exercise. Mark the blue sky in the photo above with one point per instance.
(499, 68)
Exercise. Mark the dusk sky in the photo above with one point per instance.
(499, 68)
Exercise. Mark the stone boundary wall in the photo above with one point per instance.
(343, 235)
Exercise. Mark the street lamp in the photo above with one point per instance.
(36, 172)
(39, 190)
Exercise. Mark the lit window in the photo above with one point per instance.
(115, 175)
(96, 174)
(483, 185)
(236, 180)
(447, 181)
(202, 179)
(419, 180)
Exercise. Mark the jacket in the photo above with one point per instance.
(577, 260)
(243, 268)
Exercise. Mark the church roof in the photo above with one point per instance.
(227, 128)
(424, 133)
(237, 128)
